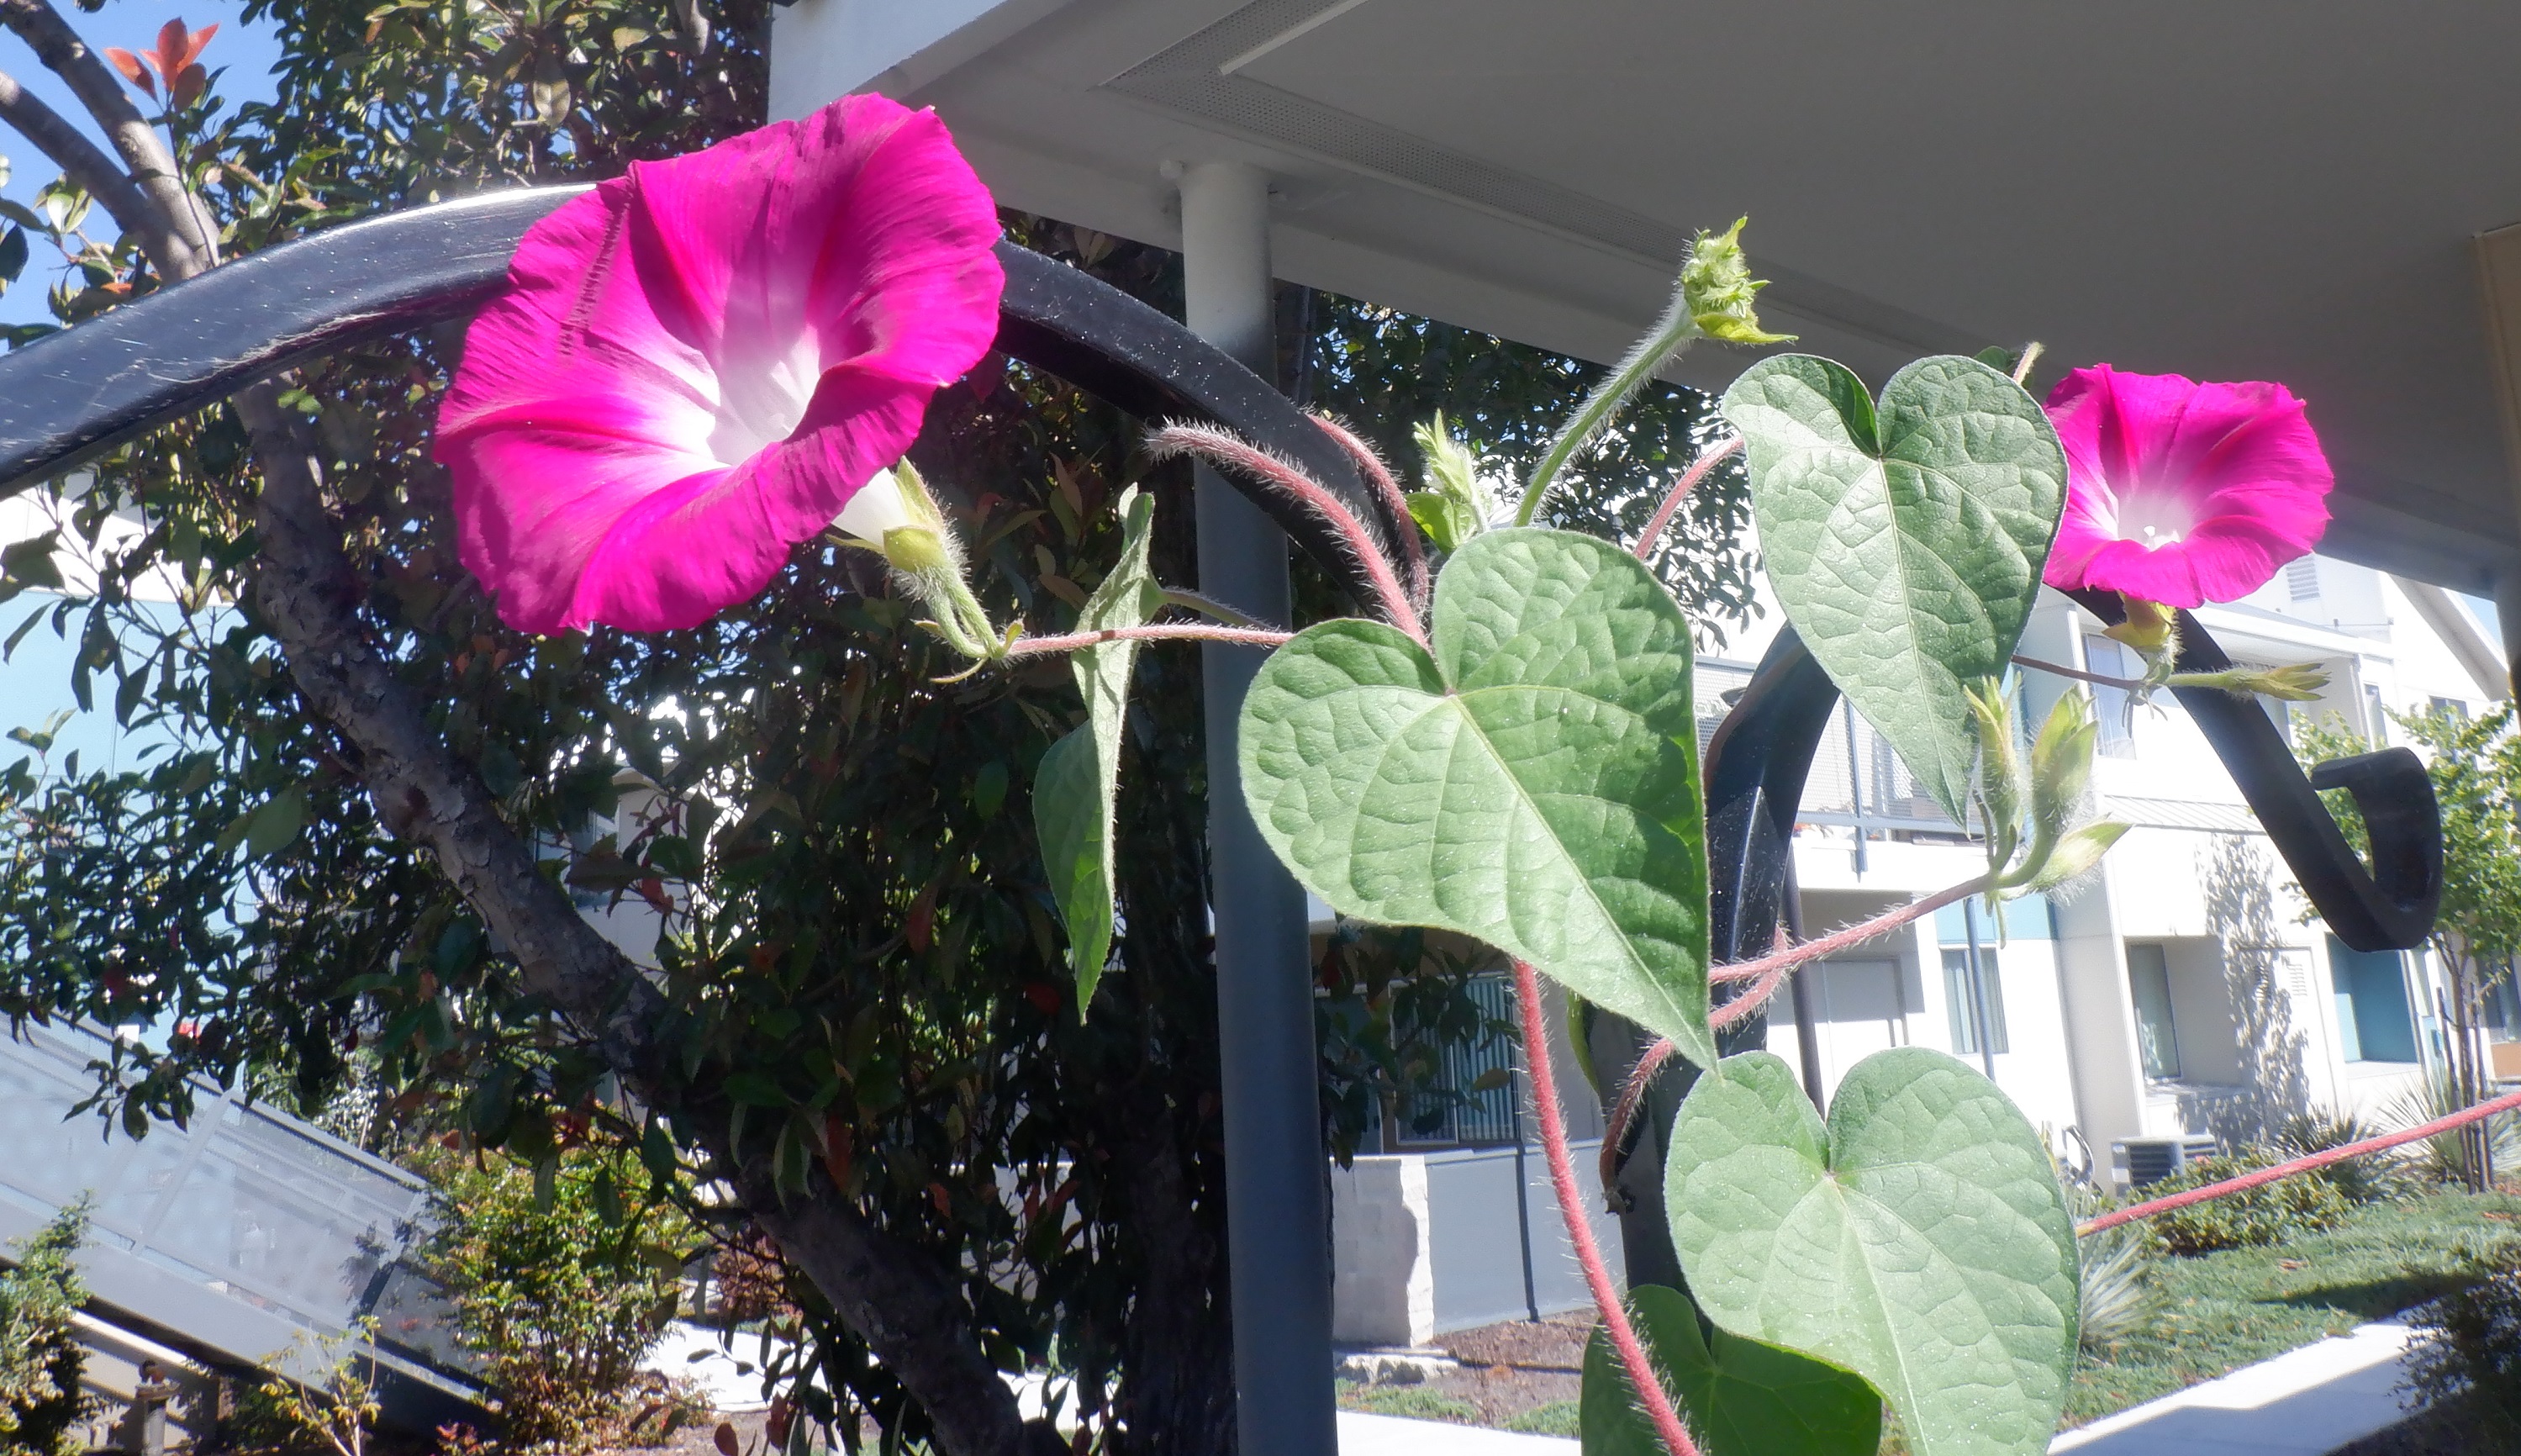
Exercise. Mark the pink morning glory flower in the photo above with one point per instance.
(2179, 492)
(697, 365)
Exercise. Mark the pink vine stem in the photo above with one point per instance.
(1765, 974)
(1672, 503)
(1226, 450)
(1023, 646)
(2246, 1181)
(1378, 479)
(1642, 1376)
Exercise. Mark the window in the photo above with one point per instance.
(2157, 1034)
(2111, 706)
(2450, 708)
(1962, 997)
(2503, 1017)
(2373, 1022)
(2302, 579)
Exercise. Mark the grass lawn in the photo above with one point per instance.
(2240, 1306)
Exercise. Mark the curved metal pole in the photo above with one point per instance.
(1762, 753)
(2388, 907)
(67, 398)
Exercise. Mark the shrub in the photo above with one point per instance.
(40, 1358)
(2121, 1294)
(2444, 1157)
(2270, 1213)
(2372, 1178)
(2469, 1345)
(561, 1282)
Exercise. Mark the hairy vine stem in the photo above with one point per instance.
(1025, 647)
(1671, 506)
(2078, 674)
(1765, 974)
(1396, 505)
(1647, 1381)
(1226, 450)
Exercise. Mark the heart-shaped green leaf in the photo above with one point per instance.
(1904, 544)
(1741, 1397)
(1076, 787)
(1533, 784)
(1919, 1239)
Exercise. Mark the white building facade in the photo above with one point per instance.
(2182, 990)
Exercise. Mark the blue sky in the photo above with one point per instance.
(247, 53)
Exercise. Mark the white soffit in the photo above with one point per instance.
(2206, 190)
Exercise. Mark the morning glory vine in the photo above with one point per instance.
(701, 366)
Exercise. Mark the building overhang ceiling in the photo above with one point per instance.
(2173, 188)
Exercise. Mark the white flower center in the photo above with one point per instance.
(2155, 518)
(762, 397)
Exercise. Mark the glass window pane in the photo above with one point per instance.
(1962, 999)
(2375, 1019)
(2157, 1037)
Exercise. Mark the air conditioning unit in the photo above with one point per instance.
(2136, 1162)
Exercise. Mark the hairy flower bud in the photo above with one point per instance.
(1457, 504)
(1717, 289)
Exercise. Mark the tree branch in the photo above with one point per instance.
(83, 161)
(898, 1299)
(152, 167)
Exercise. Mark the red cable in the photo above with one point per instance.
(2246, 1181)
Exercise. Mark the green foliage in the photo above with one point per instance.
(41, 1359)
(2368, 1179)
(2452, 1156)
(559, 1284)
(2468, 1348)
(2269, 1213)
(1387, 1011)
(1919, 1239)
(1904, 542)
(1554, 714)
(1387, 373)
(2222, 1311)
(1077, 789)
(1744, 1398)
(340, 1408)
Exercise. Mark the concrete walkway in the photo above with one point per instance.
(1362, 1435)
(2305, 1402)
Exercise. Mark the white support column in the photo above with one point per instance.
(1277, 1228)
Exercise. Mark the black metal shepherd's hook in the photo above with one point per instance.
(69, 398)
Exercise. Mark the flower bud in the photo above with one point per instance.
(2294, 682)
(1717, 289)
(2150, 629)
(1457, 504)
(2076, 854)
(2061, 763)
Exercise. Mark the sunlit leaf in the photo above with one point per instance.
(1919, 1239)
(1533, 784)
(1905, 543)
(1743, 1398)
